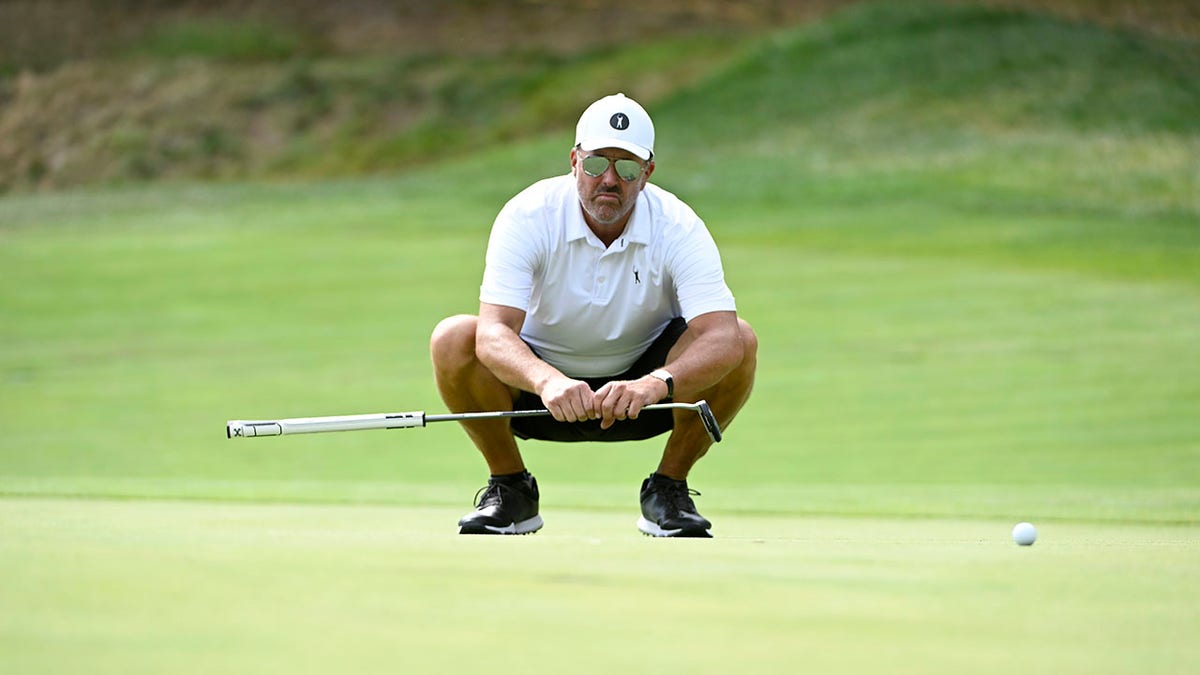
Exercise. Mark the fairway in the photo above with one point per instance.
(968, 239)
(148, 587)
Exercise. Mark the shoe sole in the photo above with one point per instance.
(653, 530)
(524, 527)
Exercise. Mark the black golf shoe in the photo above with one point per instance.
(507, 505)
(668, 509)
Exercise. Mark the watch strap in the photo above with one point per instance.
(666, 377)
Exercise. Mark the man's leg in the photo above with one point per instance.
(509, 503)
(467, 386)
(689, 441)
(667, 506)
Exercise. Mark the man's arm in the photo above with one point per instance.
(499, 346)
(712, 352)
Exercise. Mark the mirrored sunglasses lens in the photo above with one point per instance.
(628, 169)
(595, 165)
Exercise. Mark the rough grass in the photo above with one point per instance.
(229, 97)
(155, 119)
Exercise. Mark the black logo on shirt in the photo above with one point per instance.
(619, 121)
(636, 278)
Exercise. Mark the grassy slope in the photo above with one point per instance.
(178, 116)
(1005, 116)
(931, 313)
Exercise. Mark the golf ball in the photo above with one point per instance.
(1024, 534)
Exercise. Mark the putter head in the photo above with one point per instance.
(710, 421)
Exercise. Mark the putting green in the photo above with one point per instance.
(151, 587)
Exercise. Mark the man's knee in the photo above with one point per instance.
(453, 340)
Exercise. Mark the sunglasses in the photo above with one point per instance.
(627, 169)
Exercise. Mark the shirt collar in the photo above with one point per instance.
(637, 230)
(576, 226)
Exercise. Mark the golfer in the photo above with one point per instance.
(602, 293)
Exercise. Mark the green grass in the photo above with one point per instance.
(133, 587)
(969, 315)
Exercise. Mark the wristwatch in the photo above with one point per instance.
(663, 375)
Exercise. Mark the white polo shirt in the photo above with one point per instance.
(592, 311)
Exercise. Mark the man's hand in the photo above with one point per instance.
(624, 399)
(569, 400)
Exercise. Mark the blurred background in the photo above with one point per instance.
(127, 90)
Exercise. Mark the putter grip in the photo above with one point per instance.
(314, 425)
(245, 429)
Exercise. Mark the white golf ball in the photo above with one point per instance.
(1024, 534)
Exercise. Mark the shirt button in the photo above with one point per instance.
(601, 280)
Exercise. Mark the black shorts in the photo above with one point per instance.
(648, 424)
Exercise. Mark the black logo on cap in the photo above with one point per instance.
(619, 121)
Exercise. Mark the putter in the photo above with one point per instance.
(405, 420)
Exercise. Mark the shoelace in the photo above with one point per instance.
(679, 495)
(489, 495)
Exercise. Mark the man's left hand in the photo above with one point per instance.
(624, 399)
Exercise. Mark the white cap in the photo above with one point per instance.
(616, 122)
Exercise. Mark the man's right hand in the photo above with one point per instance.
(569, 400)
